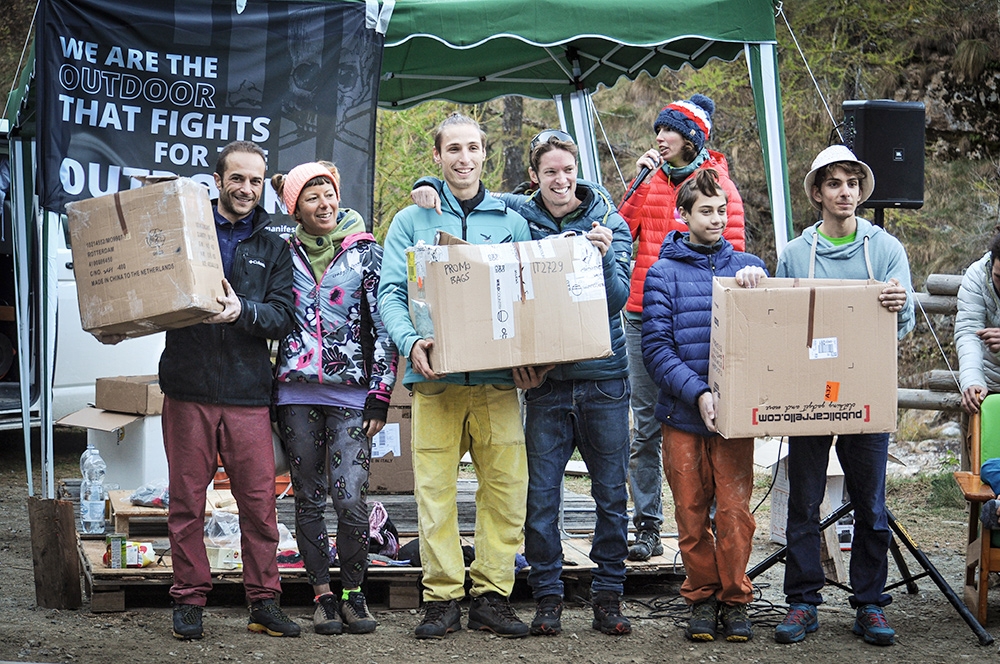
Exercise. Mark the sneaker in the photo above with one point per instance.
(266, 616)
(871, 624)
(608, 614)
(357, 619)
(735, 621)
(800, 620)
(326, 618)
(547, 616)
(440, 618)
(647, 544)
(187, 622)
(704, 617)
(493, 612)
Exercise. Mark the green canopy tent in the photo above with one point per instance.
(471, 51)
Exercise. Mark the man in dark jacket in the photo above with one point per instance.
(216, 381)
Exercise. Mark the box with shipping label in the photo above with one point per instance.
(497, 306)
(140, 395)
(131, 445)
(146, 259)
(392, 454)
(797, 357)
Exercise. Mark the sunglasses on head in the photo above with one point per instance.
(544, 136)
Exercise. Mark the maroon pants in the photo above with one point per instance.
(193, 434)
(699, 470)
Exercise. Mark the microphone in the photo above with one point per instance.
(643, 173)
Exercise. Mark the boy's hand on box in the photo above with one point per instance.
(526, 378)
(109, 339)
(600, 237)
(893, 296)
(750, 276)
(230, 301)
(706, 406)
(420, 359)
(426, 196)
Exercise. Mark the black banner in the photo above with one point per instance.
(160, 86)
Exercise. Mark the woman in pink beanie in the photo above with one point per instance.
(335, 373)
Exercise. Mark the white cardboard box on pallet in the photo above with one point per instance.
(772, 453)
(131, 445)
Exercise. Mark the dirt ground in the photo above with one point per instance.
(928, 628)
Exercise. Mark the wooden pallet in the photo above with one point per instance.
(124, 512)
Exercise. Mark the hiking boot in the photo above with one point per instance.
(357, 619)
(547, 615)
(326, 618)
(735, 621)
(608, 614)
(647, 544)
(440, 618)
(187, 622)
(800, 620)
(871, 624)
(266, 616)
(704, 617)
(493, 612)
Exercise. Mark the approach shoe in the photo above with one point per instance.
(440, 618)
(608, 616)
(266, 616)
(547, 616)
(187, 622)
(326, 618)
(647, 544)
(703, 620)
(736, 625)
(492, 612)
(357, 618)
(871, 624)
(800, 620)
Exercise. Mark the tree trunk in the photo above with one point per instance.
(514, 163)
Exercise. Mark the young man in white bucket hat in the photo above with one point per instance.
(842, 246)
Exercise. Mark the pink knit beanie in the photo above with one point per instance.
(297, 178)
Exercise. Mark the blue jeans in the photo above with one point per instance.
(645, 465)
(863, 458)
(592, 416)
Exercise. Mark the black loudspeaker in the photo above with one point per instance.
(889, 137)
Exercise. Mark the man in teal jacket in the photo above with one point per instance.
(457, 413)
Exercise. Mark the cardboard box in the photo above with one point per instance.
(392, 455)
(131, 445)
(496, 306)
(773, 455)
(802, 357)
(146, 259)
(140, 395)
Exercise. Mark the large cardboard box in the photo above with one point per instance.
(131, 445)
(496, 306)
(146, 259)
(392, 454)
(802, 357)
(140, 395)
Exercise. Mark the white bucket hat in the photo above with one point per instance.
(832, 155)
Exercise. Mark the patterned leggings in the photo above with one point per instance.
(329, 453)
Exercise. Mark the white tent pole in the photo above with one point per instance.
(575, 118)
(22, 259)
(49, 284)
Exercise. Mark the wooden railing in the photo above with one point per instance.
(937, 389)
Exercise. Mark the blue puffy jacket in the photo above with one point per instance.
(677, 324)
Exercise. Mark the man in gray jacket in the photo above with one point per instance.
(977, 329)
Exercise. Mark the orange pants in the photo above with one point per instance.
(701, 469)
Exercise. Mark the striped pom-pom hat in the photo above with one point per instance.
(691, 118)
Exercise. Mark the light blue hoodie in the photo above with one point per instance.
(847, 261)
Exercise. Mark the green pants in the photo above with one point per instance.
(484, 420)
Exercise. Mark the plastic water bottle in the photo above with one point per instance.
(92, 467)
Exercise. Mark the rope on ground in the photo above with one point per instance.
(763, 612)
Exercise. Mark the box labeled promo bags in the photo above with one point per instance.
(497, 306)
(802, 357)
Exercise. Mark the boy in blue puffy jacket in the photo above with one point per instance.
(700, 465)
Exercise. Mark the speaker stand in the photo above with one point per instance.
(879, 217)
(909, 580)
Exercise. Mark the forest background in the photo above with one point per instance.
(944, 53)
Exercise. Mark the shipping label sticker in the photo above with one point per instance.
(832, 392)
(585, 285)
(504, 283)
(386, 441)
(823, 349)
(543, 250)
(411, 265)
(505, 252)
